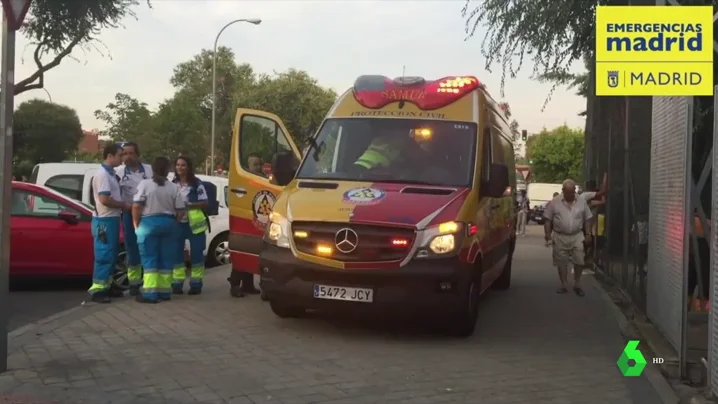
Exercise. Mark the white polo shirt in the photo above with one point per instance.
(159, 200)
(130, 179)
(104, 182)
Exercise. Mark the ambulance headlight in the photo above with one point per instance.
(441, 240)
(278, 230)
(443, 244)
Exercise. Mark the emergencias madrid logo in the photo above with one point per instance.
(631, 353)
(654, 50)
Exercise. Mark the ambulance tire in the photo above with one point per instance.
(284, 310)
(463, 323)
(503, 282)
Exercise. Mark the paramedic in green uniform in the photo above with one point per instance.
(192, 227)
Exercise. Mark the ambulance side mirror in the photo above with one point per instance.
(499, 181)
(283, 168)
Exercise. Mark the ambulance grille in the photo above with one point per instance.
(374, 242)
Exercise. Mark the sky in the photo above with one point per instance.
(334, 41)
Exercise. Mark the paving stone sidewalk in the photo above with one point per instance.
(531, 346)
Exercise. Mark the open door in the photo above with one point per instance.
(257, 138)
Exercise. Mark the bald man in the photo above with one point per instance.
(568, 225)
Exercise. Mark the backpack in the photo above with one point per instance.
(212, 202)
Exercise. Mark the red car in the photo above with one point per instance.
(50, 236)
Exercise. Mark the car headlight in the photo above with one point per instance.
(441, 240)
(278, 230)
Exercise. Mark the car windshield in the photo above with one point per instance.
(414, 151)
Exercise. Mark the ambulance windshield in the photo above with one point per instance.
(412, 151)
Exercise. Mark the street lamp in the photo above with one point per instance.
(255, 21)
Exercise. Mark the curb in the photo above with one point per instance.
(653, 375)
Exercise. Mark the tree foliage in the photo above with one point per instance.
(55, 28)
(182, 124)
(44, 131)
(551, 33)
(557, 155)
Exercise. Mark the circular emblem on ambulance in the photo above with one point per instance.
(346, 240)
(262, 207)
(364, 196)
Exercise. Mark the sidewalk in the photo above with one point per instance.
(531, 346)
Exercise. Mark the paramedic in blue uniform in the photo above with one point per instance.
(131, 173)
(192, 227)
(106, 223)
(158, 207)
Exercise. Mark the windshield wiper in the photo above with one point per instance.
(316, 147)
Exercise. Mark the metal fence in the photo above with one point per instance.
(625, 157)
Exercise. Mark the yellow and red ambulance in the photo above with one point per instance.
(404, 200)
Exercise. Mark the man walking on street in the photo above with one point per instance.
(106, 224)
(523, 212)
(567, 218)
(131, 173)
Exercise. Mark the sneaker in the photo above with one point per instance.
(142, 299)
(100, 297)
(194, 291)
(177, 290)
(236, 291)
(115, 293)
(134, 290)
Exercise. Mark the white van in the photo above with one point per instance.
(75, 181)
(540, 194)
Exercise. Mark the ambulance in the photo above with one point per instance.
(403, 201)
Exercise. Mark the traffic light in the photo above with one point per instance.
(524, 135)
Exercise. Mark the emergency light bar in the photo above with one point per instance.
(375, 91)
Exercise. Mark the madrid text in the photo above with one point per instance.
(666, 79)
(654, 37)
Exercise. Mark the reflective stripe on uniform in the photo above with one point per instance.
(197, 221)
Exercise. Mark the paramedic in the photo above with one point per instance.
(158, 205)
(192, 227)
(131, 173)
(106, 223)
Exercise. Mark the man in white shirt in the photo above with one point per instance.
(106, 223)
(131, 173)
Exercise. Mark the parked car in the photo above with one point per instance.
(50, 236)
(75, 181)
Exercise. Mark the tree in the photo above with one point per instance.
(180, 128)
(57, 27)
(557, 155)
(193, 78)
(44, 132)
(128, 119)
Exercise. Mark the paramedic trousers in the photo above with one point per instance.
(157, 240)
(106, 237)
(196, 250)
(134, 265)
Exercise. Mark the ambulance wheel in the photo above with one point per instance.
(284, 310)
(463, 323)
(503, 282)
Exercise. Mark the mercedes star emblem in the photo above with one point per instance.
(346, 240)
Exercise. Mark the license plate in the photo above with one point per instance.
(343, 293)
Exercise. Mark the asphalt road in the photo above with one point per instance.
(33, 301)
